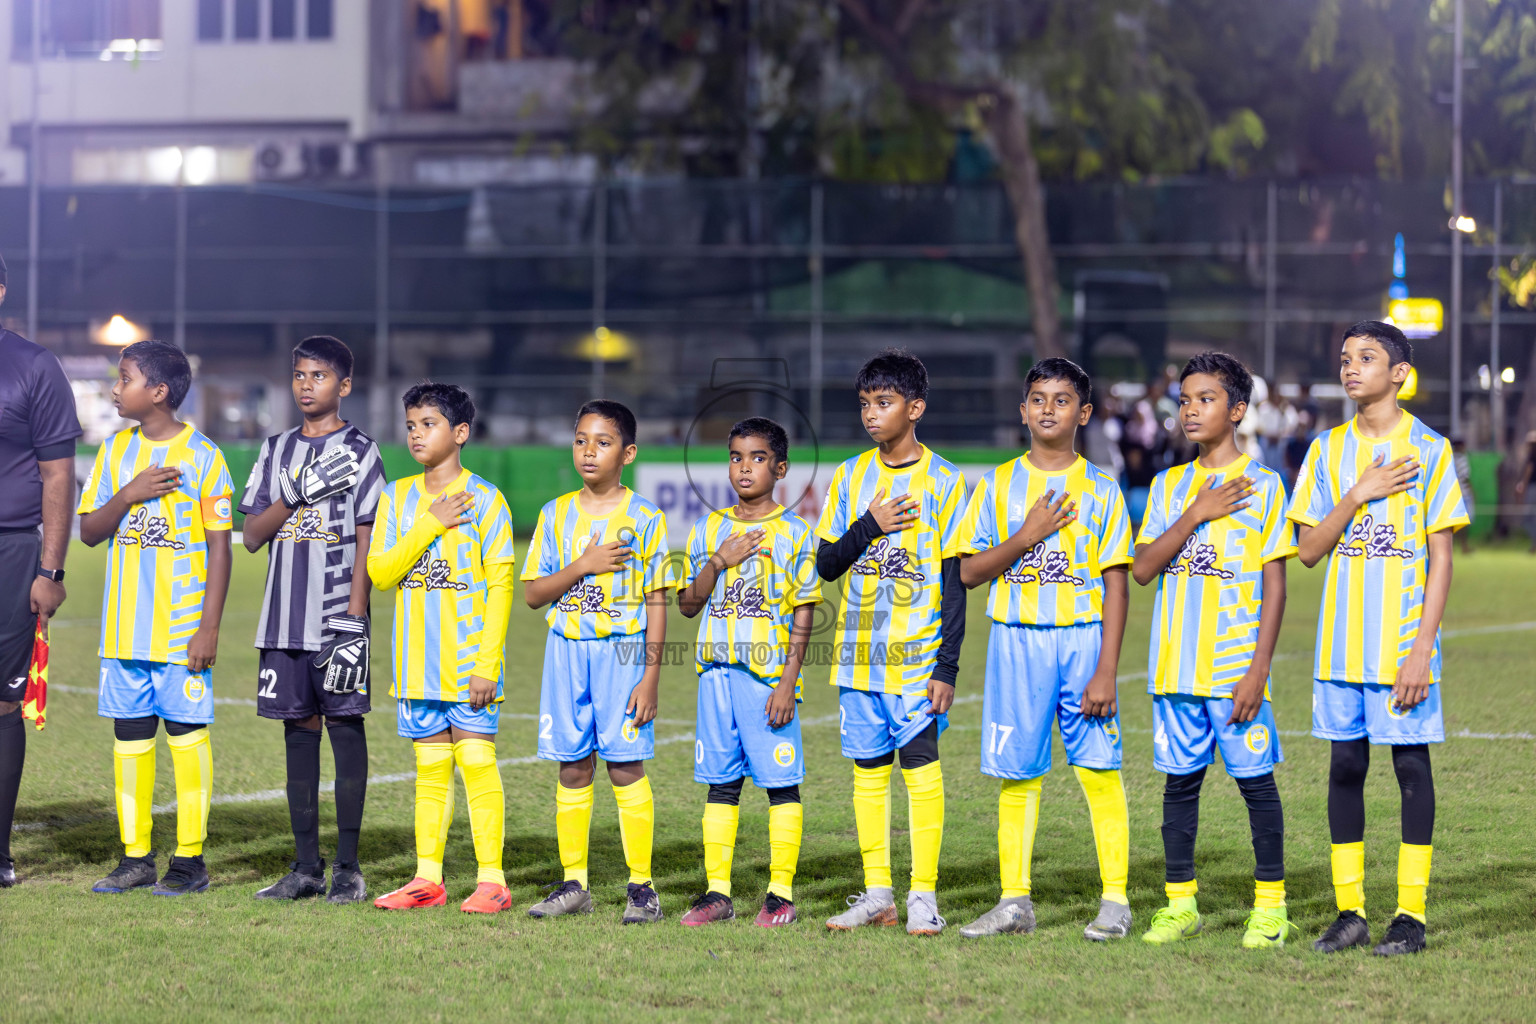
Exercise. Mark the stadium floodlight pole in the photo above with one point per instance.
(1271, 232)
(818, 199)
(599, 279)
(34, 175)
(378, 389)
(179, 331)
(1458, 211)
(1495, 300)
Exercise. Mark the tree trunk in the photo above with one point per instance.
(1008, 129)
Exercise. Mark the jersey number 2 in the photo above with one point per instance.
(268, 688)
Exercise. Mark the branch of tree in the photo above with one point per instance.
(945, 96)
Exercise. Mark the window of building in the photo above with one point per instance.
(89, 29)
(264, 20)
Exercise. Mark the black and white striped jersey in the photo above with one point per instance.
(309, 561)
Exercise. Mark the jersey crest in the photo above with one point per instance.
(1369, 539)
(740, 600)
(308, 524)
(432, 574)
(585, 598)
(887, 561)
(1197, 559)
(148, 531)
(1049, 566)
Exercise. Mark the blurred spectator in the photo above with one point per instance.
(1102, 437)
(1522, 488)
(1463, 464)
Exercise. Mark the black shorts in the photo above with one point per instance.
(289, 686)
(19, 554)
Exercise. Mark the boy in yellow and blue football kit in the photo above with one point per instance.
(1379, 497)
(752, 571)
(443, 541)
(1215, 538)
(599, 558)
(1049, 533)
(890, 528)
(159, 494)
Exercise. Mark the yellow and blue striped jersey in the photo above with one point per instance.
(440, 602)
(611, 603)
(1205, 616)
(1060, 582)
(752, 607)
(1373, 596)
(889, 627)
(157, 560)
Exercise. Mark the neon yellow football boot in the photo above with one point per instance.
(1179, 920)
(1267, 928)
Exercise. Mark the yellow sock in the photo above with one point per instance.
(1349, 876)
(487, 805)
(434, 807)
(133, 763)
(192, 757)
(1018, 813)
(1111, 828)
(786, 822)
(1181, 890)
(720, 844)
(872, 818)
(573, 823)
(637, 827)
(1268, 895)
(925, 823)
(1412, 879)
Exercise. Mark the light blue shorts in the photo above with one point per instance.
(417, 719)
(1036, 675)
(1352, 711)
(733, 739)
(873, 724)
(137, 689)
(1187, 732)
(583, 698)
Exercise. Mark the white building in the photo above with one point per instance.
(458, 92)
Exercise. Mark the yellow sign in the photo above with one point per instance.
(1417, 318)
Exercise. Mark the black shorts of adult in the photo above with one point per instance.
(20, 551)
(291, 687)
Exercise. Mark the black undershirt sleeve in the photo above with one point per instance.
(951, 621)
(835, 557)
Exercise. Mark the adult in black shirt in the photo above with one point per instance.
(38, 427)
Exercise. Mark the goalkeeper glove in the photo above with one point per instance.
(318, 479)
(344, 654)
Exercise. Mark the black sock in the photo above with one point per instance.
(1351, 759)
(1181, 822)
(13, 751)
(725, 793)
(349, 746)
(1417, 785)
(1266, 822)
(304, 794)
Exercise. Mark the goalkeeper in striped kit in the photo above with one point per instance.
(311, 501)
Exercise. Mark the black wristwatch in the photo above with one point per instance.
(57, 575)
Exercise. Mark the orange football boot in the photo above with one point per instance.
(418, 892)
(488, 898)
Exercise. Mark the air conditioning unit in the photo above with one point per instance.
(336, 159)
(280, 159)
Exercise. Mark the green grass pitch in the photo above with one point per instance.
(71, 955)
